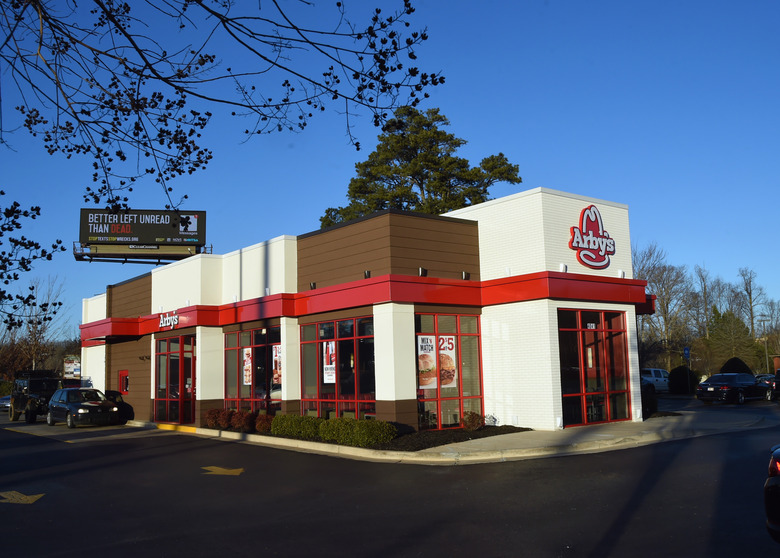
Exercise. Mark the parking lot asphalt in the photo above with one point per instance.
(684, 418)
(692, 422)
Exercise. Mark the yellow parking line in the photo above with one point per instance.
(177, 428)
(34, 434)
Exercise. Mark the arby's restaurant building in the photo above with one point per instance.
(522, 309)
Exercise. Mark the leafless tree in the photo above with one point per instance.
(702, 301)
(752, 298)
(40, 325)
(670, 284)
(131, 86)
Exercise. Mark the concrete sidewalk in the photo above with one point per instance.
(530, 444)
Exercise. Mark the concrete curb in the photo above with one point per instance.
(665, 432)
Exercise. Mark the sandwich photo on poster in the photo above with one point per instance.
(426, 362)
(277, 366)
(247, 367)
(448, 367)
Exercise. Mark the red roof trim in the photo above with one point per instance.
(387, 288)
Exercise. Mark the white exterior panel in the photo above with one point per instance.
(530, 232)
(196, 280)
(291, 358)
(93, 365)
(394, 352)
(266, 268)
(93, 309)
(209, 367)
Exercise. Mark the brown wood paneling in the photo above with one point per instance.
(434, 309)
(202, 406)
(292, 407)
(389, 242)
(402, 412)
(135, 357)
(130, 299)
(247, 326)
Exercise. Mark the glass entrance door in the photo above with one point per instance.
(175, 380)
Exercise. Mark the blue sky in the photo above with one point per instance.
(668, 107)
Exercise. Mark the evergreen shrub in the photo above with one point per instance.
(296, 426)
(370, 433)
(340, 430)
(683, 381)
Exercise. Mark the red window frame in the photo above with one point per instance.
(264, 391)
(595, 384)
(350, 349)
(436, 406)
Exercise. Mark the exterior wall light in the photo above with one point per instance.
(422, 272)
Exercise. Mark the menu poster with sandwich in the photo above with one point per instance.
(426, 362)
(247, 367)
(448, 367)
(329, 362)
(277, 369)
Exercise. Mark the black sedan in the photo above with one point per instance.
(732, 388)
(126, 411)
(772, 494)
(81, 406)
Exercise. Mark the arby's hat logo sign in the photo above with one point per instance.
(591, 242)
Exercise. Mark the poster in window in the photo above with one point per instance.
(448, 362)
(329, 362)
(426, 362)
(277, 365)
(247, 367)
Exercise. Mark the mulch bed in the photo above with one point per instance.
(416, 441)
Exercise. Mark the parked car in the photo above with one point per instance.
(776, 386)
(31, 392)
(772, 494)
(81, 406)
(126, 411)
(766, 379)
(5, 402)
(732, 388)
(658, 376)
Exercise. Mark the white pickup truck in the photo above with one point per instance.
(658, 376)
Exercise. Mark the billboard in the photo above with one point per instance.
(72, 366)
(142, 228)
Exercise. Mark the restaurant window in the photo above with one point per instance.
(337, 369)
(594, 366)
(449, 375)
(253, 370)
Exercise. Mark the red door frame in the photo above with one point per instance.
(185, 397)
(606, 363)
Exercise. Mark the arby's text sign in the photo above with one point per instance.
(591, 241)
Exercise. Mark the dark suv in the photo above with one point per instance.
(31, 393)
